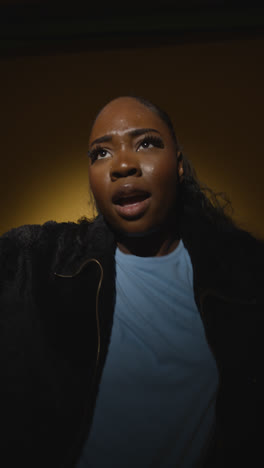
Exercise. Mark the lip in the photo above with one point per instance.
(136, 208)
(128, 190)
(133, 210)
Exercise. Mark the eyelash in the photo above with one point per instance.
(151, 139)
(154, 140)
(94, 153)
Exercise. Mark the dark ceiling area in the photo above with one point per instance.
(41, 27)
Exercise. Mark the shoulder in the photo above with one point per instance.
(240, 257)
(22, 242)
(30, 235)
(227, 257)
(50, 234)
(244, 247)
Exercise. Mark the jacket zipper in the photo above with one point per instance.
(97, 303)
(97, 320)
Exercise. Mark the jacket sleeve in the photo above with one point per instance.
(14, 247)
(17, 248)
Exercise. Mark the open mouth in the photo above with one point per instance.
(130, 200)
(133, 206)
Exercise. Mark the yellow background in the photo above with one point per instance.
(213, 92)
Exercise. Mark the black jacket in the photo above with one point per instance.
(57, 297)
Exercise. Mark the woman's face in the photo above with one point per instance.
(133, 168)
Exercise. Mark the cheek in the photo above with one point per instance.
(95, 184)
(99, 186)
(95, 179)
(164, 178)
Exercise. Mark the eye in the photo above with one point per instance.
(151, 141)
(98, 153)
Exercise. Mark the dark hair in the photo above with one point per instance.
(193, 194)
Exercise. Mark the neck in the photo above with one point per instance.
(150, 244)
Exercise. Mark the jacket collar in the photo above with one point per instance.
(226, 261)
(78, 243)
(224, 264)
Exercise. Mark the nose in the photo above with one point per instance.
(125, 165)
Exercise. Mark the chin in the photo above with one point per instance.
(141, 233)
(133, 228)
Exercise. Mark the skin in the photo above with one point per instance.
(127, 159)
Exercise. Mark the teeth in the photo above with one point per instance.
(130, 200)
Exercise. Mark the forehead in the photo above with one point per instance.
(123, 114)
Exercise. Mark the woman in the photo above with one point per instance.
(130, 340)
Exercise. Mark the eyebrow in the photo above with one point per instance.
(134, 133)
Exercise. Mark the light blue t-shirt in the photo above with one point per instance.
(156, 401)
